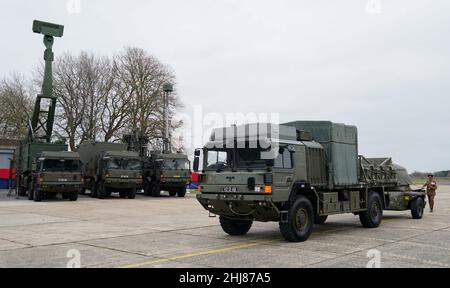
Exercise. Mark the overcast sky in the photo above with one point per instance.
(385, 71)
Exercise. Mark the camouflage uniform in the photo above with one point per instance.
(431, 186)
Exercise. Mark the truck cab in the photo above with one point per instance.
(166, 171)
(56, 172)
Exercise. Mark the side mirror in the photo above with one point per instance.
(196, 164)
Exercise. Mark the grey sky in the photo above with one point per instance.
(387, 73)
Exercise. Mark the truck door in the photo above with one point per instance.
(283, 173)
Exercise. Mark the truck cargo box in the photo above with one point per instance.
(29, 150)
(341, 148)
(90, 152)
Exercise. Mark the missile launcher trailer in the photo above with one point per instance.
(108, 168)
(298, 176)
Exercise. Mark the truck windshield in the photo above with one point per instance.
(176, 164)
(249, 158)
(123, 164)
(59, 165)
(218, 159)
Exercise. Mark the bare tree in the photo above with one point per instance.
(16, 107)
(140, 79)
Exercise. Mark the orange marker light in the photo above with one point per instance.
(268, 189)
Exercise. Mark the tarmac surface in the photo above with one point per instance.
(177, 233)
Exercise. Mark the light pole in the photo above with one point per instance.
(168, 88)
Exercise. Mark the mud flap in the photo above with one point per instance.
(284, 216)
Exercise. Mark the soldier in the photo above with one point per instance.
(431, 186)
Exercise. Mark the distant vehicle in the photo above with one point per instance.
(108, 168)
(315, 172)
(171, 172)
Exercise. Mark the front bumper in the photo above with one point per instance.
(57, 187)
(241, 206)
(122, 183)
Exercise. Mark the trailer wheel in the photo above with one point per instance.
(156, 190)
(235, 227)
(417, 208)
(300, 223)
(320, 220)
(182, 192)
(374, 215)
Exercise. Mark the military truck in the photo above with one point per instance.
(54, 173)
(297, 174)
(160, 170)
(108, 168)
(166, 171)
(34, 176)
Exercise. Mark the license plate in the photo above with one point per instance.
(230, 189)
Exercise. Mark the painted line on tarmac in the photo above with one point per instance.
(204, 253)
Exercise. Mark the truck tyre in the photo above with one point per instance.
(300, 223)
(182, 192)
(374, 215)
(172, 193)
(94, 193)
(73, 196)
(83, 191)
(65, 196)
(30, 193)
(37, 194)
(132, 193)
(147, 189)
(156, 190)
(417, 207)
(235, 227)
(101, 192)
(320, 220)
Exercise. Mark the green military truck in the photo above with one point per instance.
(166, 171)
(45, 169)
(297, 174)
(108, 168)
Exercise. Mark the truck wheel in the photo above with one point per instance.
(300, 222)
(320, 220)
(172, 193)
(37, 194)
(132, 193)
(101, 192)
(94, 193)
(30, 193)
(374, 215)
(156, 190)
(417, 207)
(73, 196)
(182, 192)
(147, 189)
(83, 191)
(235, 227)
(65, 196)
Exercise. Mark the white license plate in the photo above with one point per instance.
(230, 189)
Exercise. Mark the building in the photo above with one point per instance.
(7, 150)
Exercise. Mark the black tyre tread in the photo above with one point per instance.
(73, 196)
(287, 229)
(235, 227)
(415, 208)
(182, 192)
(364, 217)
